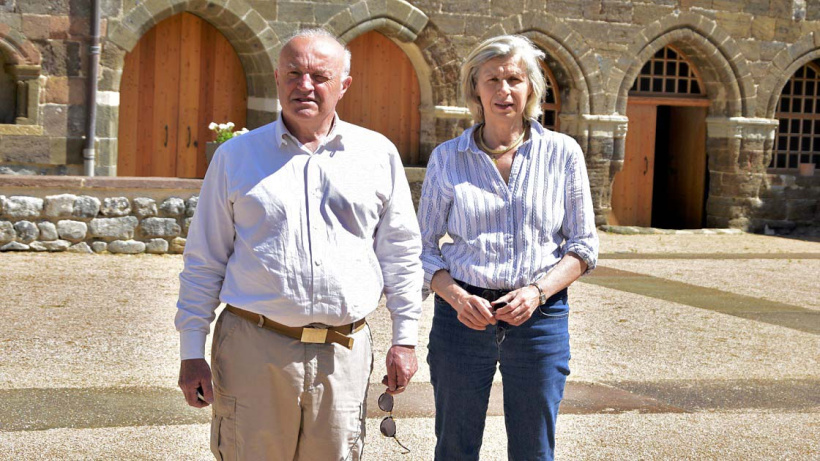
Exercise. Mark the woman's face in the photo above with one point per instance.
(502, 87)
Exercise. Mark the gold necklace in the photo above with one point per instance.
(495, 153)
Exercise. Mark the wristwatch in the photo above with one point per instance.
(542, 298)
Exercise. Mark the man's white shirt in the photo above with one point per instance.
(302, 237)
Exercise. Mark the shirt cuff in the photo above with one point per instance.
(192, 344)
(405, 332)
(584, 253)
(430, 269)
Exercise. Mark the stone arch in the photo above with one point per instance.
(714, 53)
(430, 53)
(22, 61)
(248, 32)
(785, 64)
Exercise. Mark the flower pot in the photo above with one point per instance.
(806, 169)
(210, 148)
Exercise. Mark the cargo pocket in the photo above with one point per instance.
(223, 428)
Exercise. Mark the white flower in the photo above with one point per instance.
(212, 126)
(229, 125)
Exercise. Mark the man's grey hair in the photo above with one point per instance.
(317, 32)
(501, 47)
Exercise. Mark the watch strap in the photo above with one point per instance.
(542, 298)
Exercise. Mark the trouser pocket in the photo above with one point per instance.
(223, 428)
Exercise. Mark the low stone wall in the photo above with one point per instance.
(96, 215)
(788, 202)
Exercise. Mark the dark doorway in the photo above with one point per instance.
(680, 186)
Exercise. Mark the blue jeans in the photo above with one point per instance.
(534, 360)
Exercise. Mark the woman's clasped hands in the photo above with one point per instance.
(514, 308)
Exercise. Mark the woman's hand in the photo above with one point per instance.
(521, 303)
(473, 311)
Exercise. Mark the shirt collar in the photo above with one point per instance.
(282, 135)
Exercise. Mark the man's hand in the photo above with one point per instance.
(401, 366)
(194, 373)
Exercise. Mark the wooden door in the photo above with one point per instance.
(181, 75)
(632, 187)
(384, 95)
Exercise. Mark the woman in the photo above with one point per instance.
(515, 199)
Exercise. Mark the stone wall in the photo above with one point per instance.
(788, 202)
(84, 215)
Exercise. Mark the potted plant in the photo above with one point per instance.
(224, 132)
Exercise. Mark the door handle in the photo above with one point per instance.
(189, 138)
(645, 165)
(166, 136)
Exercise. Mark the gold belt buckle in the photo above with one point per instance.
(314, 335)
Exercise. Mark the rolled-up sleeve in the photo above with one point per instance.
(397, 248)
(578, 227)
(434, 210)
(207, 250)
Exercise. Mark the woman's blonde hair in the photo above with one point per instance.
(497, 47)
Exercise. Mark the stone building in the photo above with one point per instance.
(691, 113)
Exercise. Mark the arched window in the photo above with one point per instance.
(551, 103)
(8, 94)
(668, 73)
(798, 136)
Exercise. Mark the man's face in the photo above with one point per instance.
(309, 78)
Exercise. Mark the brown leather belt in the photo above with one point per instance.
(338, 335)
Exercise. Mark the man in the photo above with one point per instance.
(301, 226)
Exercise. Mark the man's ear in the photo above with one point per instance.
(345, 85)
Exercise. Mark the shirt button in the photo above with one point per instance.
(317, 262)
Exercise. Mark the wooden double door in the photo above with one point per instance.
(664, 179)
(182, 75)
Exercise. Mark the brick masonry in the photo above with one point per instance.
(745, 51)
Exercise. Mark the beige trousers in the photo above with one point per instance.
(277, 398)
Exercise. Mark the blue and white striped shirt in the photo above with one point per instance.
(506, 236)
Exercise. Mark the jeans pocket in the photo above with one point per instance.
(223, 428)
(557, 310)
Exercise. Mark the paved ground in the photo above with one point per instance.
(684, 347)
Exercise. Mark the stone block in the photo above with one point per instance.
(738, 25)
(177, 245)
(59, 206)
(130, 247)
(156, 246)
(15, 246)
(113, 228)
(55, 119)
(116, 206)
(801, 210)
(36, 26)
(61, 58)
(86, 207)
(81, 247)
(172, 207)
(57, 245)
(159, 227)
(27, 231)
(48, 231)
(59, 27)
(25, 149)
(56, 7)
(186, 224)
(22, 207)
(99, 247)
(763, 28)
(190, 205)
(7, 232)
(145, 207)
(73, 231)
(66, 151)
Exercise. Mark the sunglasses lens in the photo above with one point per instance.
(386, 402)
(388, 427)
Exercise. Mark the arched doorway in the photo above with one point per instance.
(663, 182)
(551, 102)
(182, 75)
(384, 95)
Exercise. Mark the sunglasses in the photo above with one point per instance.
(388, 425)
